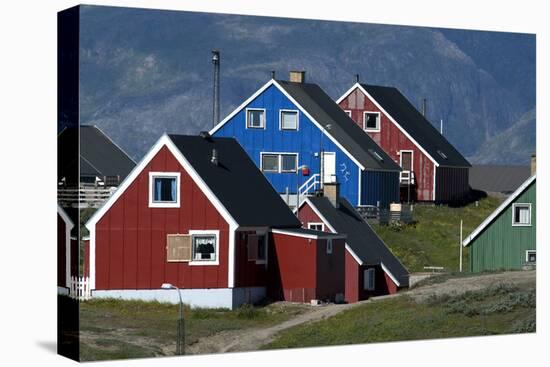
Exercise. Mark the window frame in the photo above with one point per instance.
(309, 224)
(164, 204)
(348, 112)
(198, 233)
(264, 120)
(266, 239)
(281, 112)
(366, 286)
(527, 253)
(329, 246)
(528, 205)
(378, 121)
(279, 162)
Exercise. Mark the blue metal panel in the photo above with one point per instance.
(307, 142)
(379, 188)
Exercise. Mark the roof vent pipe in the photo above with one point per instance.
(272, 74)
(214, 158)
(424, 107)
(216, 94)
(357, 78)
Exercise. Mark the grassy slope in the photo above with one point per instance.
(434, 239)
(498, 310)
(116, 329)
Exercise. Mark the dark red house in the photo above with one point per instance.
(371, 268)
(198, 214)
(433, 170)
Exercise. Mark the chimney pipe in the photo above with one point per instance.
(424, 107)
(214, 158)
(331, 190)
(357, 78)
(216, 97)
(272, 74)
(533, 164)
(297, 76)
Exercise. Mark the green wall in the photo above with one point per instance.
(501, 245)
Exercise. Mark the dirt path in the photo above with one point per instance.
(253, 339)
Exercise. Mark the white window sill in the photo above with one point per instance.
(520, 225)
(204, 263)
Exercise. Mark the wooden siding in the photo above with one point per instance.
(501, 245)
(392, 140)
(306, 141)
(379, 188)
(352, 290)
(299, 266)
(131, 237)
(452, 184)
(248, 273)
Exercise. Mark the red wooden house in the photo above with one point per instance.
(433, 170)
(197, 213)
(371, 268)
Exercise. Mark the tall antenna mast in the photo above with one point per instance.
(216, 97)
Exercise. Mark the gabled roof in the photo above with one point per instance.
(499, 210)
(498, 178)
(236, 181)
(99, 155)
(333, 122)
(235, 186)
(415, 125)
(366, 246)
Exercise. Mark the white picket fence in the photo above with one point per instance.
(80, 288)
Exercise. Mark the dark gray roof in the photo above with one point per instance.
(362, 239)
(496, 178)
(99, 155)
(416, 125)
(236, 181)
(326, 112)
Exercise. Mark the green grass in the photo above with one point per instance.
(497, 310)
(434, 239)
(116, 329)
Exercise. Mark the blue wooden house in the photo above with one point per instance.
(300, 138)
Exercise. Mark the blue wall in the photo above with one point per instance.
(376, 185)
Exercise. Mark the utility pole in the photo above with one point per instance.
(216, 97)
(460, 266)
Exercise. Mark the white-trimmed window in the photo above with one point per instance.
(279, 162)
(329, 246)
(521, 214)
(204, 247)
(348, 112)
(257, 247)
(164, 189)
(288, 120)
(255, 118)
(371, 121)
(531, 256)
(316, 226)
(368, 279)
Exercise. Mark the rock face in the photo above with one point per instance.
(146, 72)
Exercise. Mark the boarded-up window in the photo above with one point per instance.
(368, 279)
(252, 245)
(178, 247)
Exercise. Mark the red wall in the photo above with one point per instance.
(351, 294)
(131, 237)
(61, 252)
(307, 215)
(391, 139)
(86, 267)
(300, 268)
(248, 273)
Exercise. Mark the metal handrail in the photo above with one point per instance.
(312, 182)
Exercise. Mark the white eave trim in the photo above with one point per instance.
(387, 271)
(320, 236)
(358, 85)
(303, 110)
(68, 222)
(498, 210)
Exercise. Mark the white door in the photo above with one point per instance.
(329, 167)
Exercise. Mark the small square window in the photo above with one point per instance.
(316, 226)
(255, 119)
(270, 163)
(371, 121)
(531, 256)
(288, 162)
(521, 214)
(204, 248)
(289, 120)
(348, 112)
(164, 189)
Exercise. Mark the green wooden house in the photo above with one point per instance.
(507, 238)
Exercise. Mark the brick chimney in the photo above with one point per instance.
(331, 190)
(533, 164)
(297, 76)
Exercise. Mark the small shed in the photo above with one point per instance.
(506, 240)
